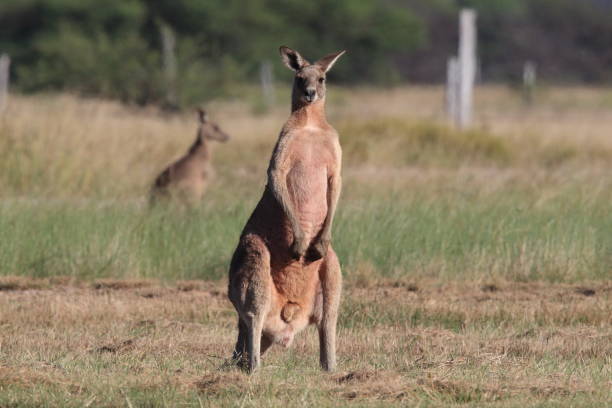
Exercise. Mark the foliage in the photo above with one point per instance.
(114, 50)
(567, 39)
(418, 143)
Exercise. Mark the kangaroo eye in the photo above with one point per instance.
(321, 80)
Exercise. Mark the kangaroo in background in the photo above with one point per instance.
(186, 179)
(284, 274)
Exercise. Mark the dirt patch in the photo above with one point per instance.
(409, 286)
(215, 383)
(489, 288)
(10, 283)
(119, 347)
(150, 293)
(355, 376)
(585, 291)
(118, 284)
(366, 384)
(190, 285)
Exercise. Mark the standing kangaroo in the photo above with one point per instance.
(187, 178)
(284, 274)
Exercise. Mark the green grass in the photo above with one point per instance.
(513, 235)
(470, 238)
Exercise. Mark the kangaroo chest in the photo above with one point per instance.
(307, 179)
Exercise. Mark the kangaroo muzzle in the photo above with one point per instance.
(310, 95)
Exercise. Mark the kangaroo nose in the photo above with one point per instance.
(310, 94)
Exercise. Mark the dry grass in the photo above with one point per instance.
(66, 147)
(410, 342)
(477, 262)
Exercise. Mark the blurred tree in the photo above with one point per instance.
(113, 48)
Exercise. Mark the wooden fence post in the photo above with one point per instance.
(267, 84)
(529, 81)
(5, 64)
(168, 41)
(452, 89)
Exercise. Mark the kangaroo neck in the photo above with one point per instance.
(309, 114)
(200, 148)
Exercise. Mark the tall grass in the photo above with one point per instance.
(453, 236)
(478, 238)
(519, 200)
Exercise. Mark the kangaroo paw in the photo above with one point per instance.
(298, 248)
(318, 250)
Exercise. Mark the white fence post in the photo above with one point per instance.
(5, 64)
(452, 89)
(529, 73)
(467, 65)
(267, 83)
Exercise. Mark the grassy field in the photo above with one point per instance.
(478, 264)
(419, 342)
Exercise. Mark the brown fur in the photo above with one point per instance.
(284, 275)
(186, 179)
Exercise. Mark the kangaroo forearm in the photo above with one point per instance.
(333, 196)
(327, 225)
(293, 220)
(326, 230)
(281, 193)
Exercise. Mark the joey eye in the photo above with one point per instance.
(321, 80)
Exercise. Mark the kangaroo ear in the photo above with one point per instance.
(292, 59)
(202, 115)
(328, 61)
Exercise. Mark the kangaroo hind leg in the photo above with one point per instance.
(250, 292)
(331, 288)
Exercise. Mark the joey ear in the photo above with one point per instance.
(328, 61)
(202, 115)
(292, 59)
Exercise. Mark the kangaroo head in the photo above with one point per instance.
(210, 130)
(309, 82)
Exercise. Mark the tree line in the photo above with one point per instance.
(114, 48)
